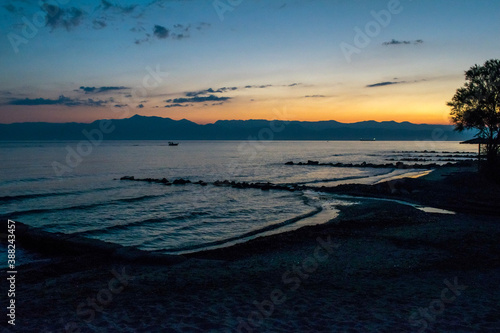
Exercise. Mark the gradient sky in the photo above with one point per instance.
(63, 60)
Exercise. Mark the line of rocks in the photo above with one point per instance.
(398, 165)
(225, 183)
(263, 186)
(417, 159)
(428, 152)
(163, 181)
(450, 156)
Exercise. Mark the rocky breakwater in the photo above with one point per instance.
(397, 165)
(224, 183)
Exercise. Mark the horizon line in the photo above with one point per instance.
(212, 123)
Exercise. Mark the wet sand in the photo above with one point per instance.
(379, 267)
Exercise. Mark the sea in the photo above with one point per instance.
(66, 187)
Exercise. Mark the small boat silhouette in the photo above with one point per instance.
(173, 143)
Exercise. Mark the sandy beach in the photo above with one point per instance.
(379, 267)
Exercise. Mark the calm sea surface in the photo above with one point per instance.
(87, 200)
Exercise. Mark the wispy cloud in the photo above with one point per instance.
(207, 95)
(203, 25)
(314, 96)
(176, 32)
(57, 17)
(386, 83)
(193, 97)
(177, 105)
(99, 24)
(228, 89)
(62, 100)
(403, 42)
(259, 87)
(197, 99)
(209, 91)
(10, 8)
(262, 86)
(161, 32)
(60, 15)
(94, 90)
(108, 5)
(181, 31)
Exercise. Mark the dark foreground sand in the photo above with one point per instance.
(380, 267)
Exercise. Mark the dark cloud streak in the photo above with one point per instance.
(56, 17)
(10, 8)
(382, 84)
(106, 5)
(209, 91)
(161, 32)
(177, 105)
(197, 99)
(62, 100)
(403, 42)
(94, 90)
(176, 32)
(98, 24)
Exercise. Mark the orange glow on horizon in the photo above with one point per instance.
(417, 114)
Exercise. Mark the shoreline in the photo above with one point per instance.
(398, 189)
(54, 242)
(382, 262)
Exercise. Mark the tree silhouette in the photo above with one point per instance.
(476, 105)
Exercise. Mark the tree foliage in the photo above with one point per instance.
(476, 105)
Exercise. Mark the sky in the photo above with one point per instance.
(207, 60)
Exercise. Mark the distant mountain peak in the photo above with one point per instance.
(140, 127)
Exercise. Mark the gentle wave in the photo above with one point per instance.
(26, 180)
(81, 207)
(21, 197)
(140, 223)
(245, 235)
